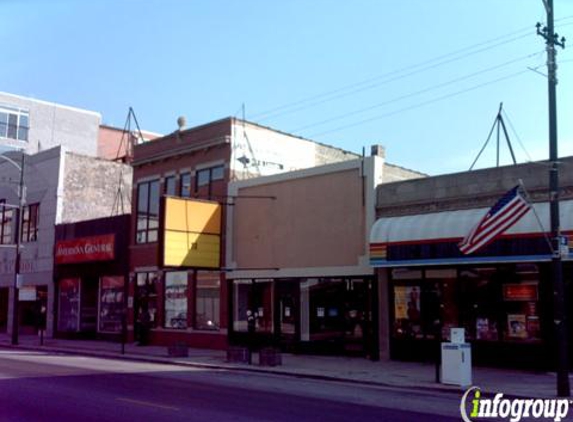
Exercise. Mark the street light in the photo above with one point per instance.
(18, 225)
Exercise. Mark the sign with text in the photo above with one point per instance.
(192, 233)
(85, 249)
(520, 292)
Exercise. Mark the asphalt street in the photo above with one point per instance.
(38, 387)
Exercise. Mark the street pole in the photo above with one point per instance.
(559, 313)
(18, 221)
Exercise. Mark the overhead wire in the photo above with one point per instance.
(368, 84)
(464, 53)
(371, 84)
(413, 94)
(434, 100)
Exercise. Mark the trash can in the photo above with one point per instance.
(456, 360)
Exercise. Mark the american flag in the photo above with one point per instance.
(504, 214)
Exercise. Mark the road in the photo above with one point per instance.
(38, 387)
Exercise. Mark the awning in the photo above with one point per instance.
(452, 226)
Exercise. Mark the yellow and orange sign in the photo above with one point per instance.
(192, 233)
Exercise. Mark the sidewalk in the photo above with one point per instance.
(410, 375)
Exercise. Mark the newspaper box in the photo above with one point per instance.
(457, 360)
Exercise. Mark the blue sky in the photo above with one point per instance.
(424, 78)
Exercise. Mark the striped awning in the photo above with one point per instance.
(453, 226)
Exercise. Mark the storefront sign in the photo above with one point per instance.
(86, 249)
(518, 292)
(192, 233)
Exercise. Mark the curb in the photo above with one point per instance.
(248, 369)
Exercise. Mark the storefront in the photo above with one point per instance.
(91, 268)
(328, 315)
(501, 295)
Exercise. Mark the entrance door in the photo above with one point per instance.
(287, 315)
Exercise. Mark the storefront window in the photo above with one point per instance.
(69, 305)
(492, 303)
(146, 299)
(256, 298)
(207, 300)
(111, 304)
(176, 299)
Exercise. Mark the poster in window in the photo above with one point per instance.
(69, 305)
(176, 300)
(516, 325)
(110, 304)
(407, 302)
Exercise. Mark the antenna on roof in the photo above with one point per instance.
(128, 139)
(499, 123)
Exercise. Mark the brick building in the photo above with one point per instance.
(199, 163)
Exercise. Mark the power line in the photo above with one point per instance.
(369, 83)
(413, 94)
(435, 100)
(354, 85)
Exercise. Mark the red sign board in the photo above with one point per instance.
(520, 292)
(86, 249)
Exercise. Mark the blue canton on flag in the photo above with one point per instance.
(504, 214)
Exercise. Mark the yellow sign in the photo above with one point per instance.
(192, 233)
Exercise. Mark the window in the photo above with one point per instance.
(186, 185)
(147, 211)
(30, 220)
(145, 300)
(14, 123)
(6, 216)
(206, 177)
(170, 186)
(207, 300)
(176, 299)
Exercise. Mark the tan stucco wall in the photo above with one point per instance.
(315, 221)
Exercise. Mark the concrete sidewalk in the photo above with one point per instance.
(410, 375)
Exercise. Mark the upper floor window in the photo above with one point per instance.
(170, 186)
(147, 211)
(30, 221)
(205, 179)
(14, 123)
(186, 185)
(6, 217)
(206, 176)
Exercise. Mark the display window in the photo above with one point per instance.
(176, 288)
(253, 299)
(492, 303)
(207, 300)
(146, 299)
(69, 305)
(111, 304)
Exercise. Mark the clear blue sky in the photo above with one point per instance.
(417, 76)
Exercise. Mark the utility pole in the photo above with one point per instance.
(559, 314)
(17, 234)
